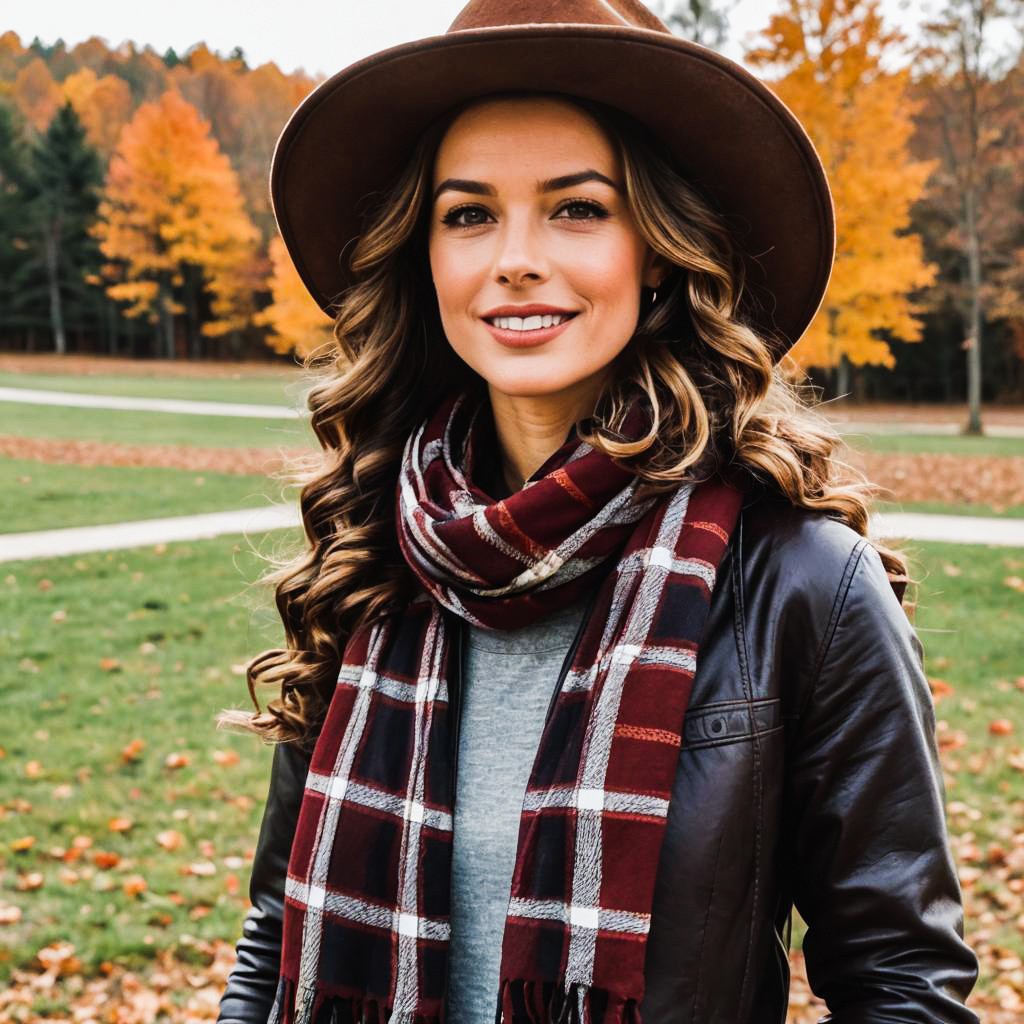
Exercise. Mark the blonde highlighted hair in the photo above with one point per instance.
(719, 404)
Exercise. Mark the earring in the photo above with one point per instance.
(654, 296)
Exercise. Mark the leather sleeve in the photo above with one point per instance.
(871, 865)
(252, 983)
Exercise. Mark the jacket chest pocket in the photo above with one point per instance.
(729, 721)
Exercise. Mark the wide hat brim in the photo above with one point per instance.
(730, 135)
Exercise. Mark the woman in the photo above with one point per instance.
(591, 671)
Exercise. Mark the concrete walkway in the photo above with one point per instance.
(83, 539)
(78, 540)
(33, 396)
(1006, 533)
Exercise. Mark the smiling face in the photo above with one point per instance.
(536, 259)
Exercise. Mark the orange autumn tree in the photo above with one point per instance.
(296, 322)
(103, 105)
(173, 223)
(829, 54)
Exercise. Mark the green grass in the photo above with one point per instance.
(953, 444)
(129, 427)
(277, 388)
(950, 509)
(39, 496)
(177, 621)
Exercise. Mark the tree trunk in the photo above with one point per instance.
(112, 318)
(843, 376)
(973, 340)
(51, 248)
(166, 332)
(191, 288)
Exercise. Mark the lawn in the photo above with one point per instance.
(285, 389)
(40, 496)
(131, 427)
(113, 769)
(116, 665)
(952, 509)
(953, 444)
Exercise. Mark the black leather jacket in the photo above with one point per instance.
(808, 775)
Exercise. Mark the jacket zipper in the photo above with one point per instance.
(455, 676)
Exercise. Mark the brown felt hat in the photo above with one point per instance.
(730, 136)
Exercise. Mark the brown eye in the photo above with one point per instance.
(464, 216)
(585, 209)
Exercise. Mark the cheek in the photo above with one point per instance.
(456, 278)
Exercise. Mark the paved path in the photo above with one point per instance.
(955, 529)
(82, 539)
(79, 540)
(33, 396)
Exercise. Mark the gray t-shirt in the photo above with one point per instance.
(508, 679)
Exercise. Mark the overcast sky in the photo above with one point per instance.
(317, 35)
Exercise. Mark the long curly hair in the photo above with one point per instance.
(718, 402)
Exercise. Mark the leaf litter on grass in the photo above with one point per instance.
(174, 881)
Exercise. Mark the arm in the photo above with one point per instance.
(873, 873)
(250, 989)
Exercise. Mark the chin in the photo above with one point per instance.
(534, 384)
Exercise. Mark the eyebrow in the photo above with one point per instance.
(482, 188)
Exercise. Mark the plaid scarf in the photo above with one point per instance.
(366, 918)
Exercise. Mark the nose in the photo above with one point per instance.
(519, 259)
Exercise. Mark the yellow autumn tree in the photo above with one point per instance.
(103, 105)
(296, 322)
(173, 224)
(828, 57)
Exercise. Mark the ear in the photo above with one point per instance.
(656, 269)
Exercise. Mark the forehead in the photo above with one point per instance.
(533, 132)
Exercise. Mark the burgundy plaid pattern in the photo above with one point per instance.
(366, 922)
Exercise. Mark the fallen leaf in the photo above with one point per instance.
(133, 885)
(120, 824)
(33, 880)
(106, 859)
(110, 664)
(225, 757)
(176, 760)
(169, 839)
(9, 914)
(24, 843)
(131, 751)
(33, 769)
(1001, 727)
(939, 687)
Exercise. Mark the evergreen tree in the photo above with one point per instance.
(15, 297)
(64, 181)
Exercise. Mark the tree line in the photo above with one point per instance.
(134, 216)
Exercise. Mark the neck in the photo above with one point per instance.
(530, 429)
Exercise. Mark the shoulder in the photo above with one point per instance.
(804, 549)
(811, 574)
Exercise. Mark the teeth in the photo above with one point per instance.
(530, 323)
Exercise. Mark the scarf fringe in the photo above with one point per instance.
(544, 1002)
(335, 1009)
